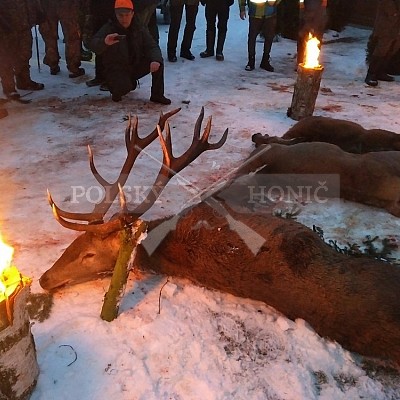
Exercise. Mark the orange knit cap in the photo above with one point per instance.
(127, 4)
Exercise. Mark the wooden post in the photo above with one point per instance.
(18, 365)
(128, 241)
(305, 92)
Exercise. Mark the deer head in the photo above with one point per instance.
(93, 254)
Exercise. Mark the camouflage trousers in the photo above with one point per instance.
(68, 16)
(15, 53)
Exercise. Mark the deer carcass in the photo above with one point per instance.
(348, 135)
(370, 178)
(354, 301)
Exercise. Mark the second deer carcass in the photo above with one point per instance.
(354, 301)
(348, 135)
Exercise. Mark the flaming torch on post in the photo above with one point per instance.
(306, 88)
(18, 364)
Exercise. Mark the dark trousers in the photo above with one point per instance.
(266, 26)
(121, 80)
(213, 11)
(176, 13)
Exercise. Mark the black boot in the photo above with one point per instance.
(250, 64)
(265, 64)
(375, 66)
(210, 41)
(371, 80)
(220, 46)
(172, 55)
(157, 87)
(24, 82)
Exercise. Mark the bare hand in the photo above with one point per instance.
(111, 39)
(154, 66)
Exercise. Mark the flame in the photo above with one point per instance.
(10, 277)
(312, 52)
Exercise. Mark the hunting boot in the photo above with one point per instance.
(373, 71)
(265, 63)
(210, 42)
(251, 63)
(24, 81)
(157, 87)
(220, 46)
(172, 55)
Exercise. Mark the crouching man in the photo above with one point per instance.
(129, 52)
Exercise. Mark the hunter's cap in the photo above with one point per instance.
(123, 5)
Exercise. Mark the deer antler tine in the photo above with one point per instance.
(215, 146)
(168, 136)
(100, 228)
(165, 148)
(207, 130)
(132, 132)
(122, 199)
(49, 198)
(93, 168)
(197, 126)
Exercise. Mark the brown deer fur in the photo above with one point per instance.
(349, 136)
(370, 178)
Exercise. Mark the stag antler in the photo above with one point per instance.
(170, 166)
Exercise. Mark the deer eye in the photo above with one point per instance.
(88, 255)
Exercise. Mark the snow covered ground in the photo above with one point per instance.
(202, 344)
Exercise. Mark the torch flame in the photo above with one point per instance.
(10, 277)
(312, 52)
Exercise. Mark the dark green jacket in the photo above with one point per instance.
(129, 52)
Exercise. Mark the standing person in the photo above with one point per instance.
(16, 20)
(129, 53)
(145, 11)
(262, 19)
(176, 10)
(214, 9)
(100, 11)
(386, 37)
(67, 13)
(313, 20)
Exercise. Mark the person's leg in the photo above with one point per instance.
(190, 27)
(21, 65)
(269, 29)
(99, 74)
(378, 62)
(254, 29)
(223, 16)
(69, 18)
(211, 15)
(49, 32)
(157, 81)
(148, 18)
(6, 64)
(173, 32)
